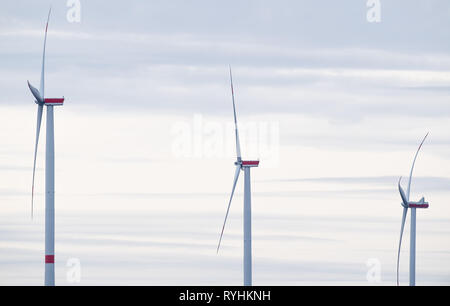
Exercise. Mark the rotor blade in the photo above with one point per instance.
(238, 144)
(36, 93)
(236, 176)
(408, 191)
(42, 85)
(38, 130)
(402, 194)
(405, 212)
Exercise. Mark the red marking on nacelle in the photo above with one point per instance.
(50, 259)
(254, 163)
(54, 101)
(419, 205)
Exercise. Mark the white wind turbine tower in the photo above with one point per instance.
(41, 101)
(244, 166)
(406, 203)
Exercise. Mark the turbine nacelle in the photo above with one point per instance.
(247, 163)
(420, 204)
(54, 101)
(250, 163)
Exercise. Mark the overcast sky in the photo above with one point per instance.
(333, 105)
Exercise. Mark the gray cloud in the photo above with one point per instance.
(174, 58)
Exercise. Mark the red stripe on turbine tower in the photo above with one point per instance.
(49, 259)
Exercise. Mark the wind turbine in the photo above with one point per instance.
(406, 203)
(41, 101)
(244, 166)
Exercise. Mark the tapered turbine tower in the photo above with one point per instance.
(244, 166)
(41, 101)
(406, 203)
